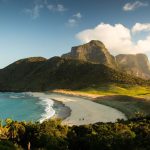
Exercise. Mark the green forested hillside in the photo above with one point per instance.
(40, 74)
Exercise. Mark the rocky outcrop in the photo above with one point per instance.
(137, 65)
(94, 52)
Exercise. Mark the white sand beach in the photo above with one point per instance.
(84, 111)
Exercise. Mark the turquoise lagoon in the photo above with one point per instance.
(25, 107)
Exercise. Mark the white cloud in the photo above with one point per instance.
(50, 7)
(41, 4)
(35, 11)
(60, 8)
(74, 20)
(77, 15)
(133, 6)
(57, 8)
(144, 44)
(117, 38)
(138, 27)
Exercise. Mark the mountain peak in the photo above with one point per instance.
(96, 42)
(94, 52)
(136, 64)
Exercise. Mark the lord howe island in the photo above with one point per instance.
(95, 96)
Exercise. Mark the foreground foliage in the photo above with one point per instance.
(51, 135)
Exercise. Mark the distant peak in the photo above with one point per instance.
(136, 64)
(133, 55)
(141, 54)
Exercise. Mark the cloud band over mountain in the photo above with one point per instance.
(118, 38)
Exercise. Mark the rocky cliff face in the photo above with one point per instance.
(94, 52)
(137, 65)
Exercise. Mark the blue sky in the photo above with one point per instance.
(51, 27)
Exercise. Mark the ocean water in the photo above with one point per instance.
(25, 107)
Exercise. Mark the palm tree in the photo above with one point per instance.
(16, 130)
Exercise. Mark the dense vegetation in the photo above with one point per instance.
(39, 74)
(51, 135)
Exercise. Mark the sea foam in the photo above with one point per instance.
(48, 105)
(16, 97)
(49, 111)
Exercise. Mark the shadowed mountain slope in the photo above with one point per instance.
(40, 74)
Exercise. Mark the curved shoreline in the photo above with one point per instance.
(84, 111)
(63, 113)
(129, 105)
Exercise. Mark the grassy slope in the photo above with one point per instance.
(128, 99)
(111, 89)
(126, 104)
